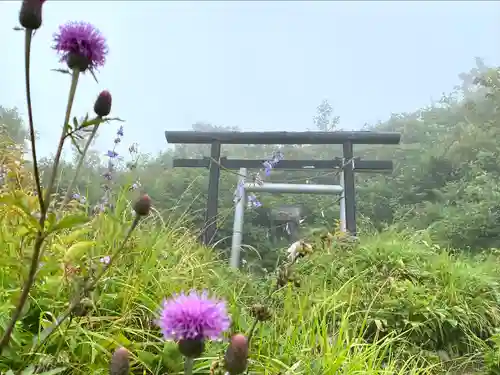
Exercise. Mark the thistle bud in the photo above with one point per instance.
(83, 308)
(260, 312)
(236, 357)
(102, 105)
(30, 16)
(120, 363)
(143, 205)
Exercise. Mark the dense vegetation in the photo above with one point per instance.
(418, 293)
(444, 179)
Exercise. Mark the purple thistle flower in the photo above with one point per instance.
(83, 42)
(193, 316)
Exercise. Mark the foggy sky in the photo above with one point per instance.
(258, 65)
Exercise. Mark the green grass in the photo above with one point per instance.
(393, 304)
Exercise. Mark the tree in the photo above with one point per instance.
(12, 123)
(323, 120)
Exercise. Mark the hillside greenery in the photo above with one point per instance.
(418, 293)
(444, 179)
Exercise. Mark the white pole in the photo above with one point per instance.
(239, 213)
(343, 227)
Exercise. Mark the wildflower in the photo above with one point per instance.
(143, 205)
(327, 239)
(277, 157)
(120, 362)
(98, 208)
(285, 275)
(260, 312)
(112, 154)
(298, 249)
(236, 357)
(257, 179)
(253, 202)
(30, 16)
(136, 185)
(191, 319)
(81, 46)
(134, 148)
(268, 165)
(105, 260)
(102, 105)
(79, 198)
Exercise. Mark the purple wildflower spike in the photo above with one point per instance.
(253, 202)
(268, 165)
(193, 317)
(81, 45)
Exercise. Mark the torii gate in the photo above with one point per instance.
(347, 163)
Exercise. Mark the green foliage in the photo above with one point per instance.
(419, 297)
(444, 178)
(422, 293)
(390, 302)
(492, 356)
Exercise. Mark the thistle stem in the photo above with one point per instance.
(78, 167)
(27, 61)
(188, 365)
(252, 330)
(40, 236)
(57, 158)
(89, 286)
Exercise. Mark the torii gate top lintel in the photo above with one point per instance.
(283, 138)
